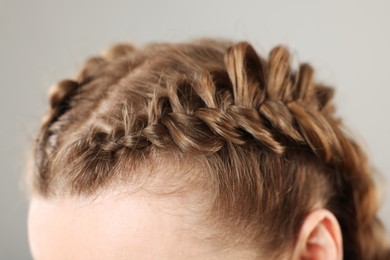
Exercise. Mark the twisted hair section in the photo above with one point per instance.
(267, 137)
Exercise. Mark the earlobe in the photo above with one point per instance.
(319, 237)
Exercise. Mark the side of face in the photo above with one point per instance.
(109, 228)
(121, 225)
(118, 227)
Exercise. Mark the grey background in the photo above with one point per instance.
(42, 42)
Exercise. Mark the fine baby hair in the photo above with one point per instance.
(258, 141)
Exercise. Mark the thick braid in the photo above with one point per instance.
(289, 107)
(296, 119)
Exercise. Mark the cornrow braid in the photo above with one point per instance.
(266, 136)
(59, 96)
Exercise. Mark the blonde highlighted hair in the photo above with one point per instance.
(266, 138)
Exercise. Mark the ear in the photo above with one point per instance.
(319, 238)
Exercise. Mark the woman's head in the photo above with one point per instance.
(236, 148)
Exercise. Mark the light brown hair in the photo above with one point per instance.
(265, 138)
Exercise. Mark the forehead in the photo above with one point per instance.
(112, 227)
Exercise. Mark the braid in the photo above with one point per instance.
(259, 127)
(59, 98)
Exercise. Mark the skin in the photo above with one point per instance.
(122, 224)
(118, 227)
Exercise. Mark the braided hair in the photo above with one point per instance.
(266, 137)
